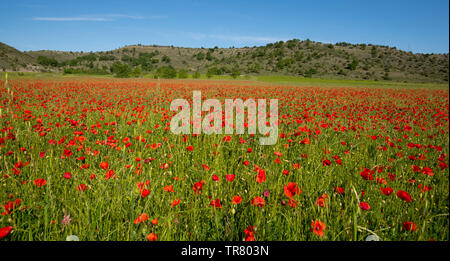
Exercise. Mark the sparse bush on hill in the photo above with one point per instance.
(352, 66)
(45, 61)
(182, 74)
(196, 75)
(166, 72)
(121, 70)
(235, 72)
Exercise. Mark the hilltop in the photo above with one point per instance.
(294, 57)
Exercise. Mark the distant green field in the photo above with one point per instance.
(273, 79)
(301, 81)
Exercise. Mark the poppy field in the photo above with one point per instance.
(95, 158)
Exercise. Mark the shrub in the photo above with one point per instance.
(182, 74)
(43, 60)
(235, 72)
(166, 72)
(121, 70)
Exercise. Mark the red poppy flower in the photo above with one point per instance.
(293, 203)
(415, 168)
(145, 192)
(237, 200)
(230, 177)
(386, 191)
(364, 205)
(427, 171)
(339, 190)
(175, 202)
(291, 190)
(67, 175)
(104, 165)
(67, 153)
(141, 219)
(81, 187)
(261, 177)
(40, 182)
(404, 195)
(258, 201)
(197, 187)
(110, 174)
(366, 174)
(409, 226)
(190, 148)
(169, 188)
(326, 163)
(250, 233)
(321, 200)
(318, 227)
(305, 141)
(216, 203)
(152, 237)
(10, 206)
(424, 188)
(4, 231)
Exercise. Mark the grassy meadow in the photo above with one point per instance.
(94, 157)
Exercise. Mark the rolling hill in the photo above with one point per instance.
(294, 57)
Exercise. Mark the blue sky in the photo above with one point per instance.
(417, 26)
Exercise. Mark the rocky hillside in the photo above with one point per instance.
(294, 57)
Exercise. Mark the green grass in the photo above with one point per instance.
(270, 79)
(302, 81)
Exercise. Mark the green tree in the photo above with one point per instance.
(166, 72)
(209, 56)
(121, 70)
(235, 72)
(352, 66)
(137, 72)
(200, 56)
(43, 60)
(196, 75)
(182, 74)
(165, 59)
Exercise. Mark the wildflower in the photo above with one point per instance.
(261, 177)
(409, 226)
(318, 227)
(40, 182)
(66, 220)
(404, 195)
(141, 219)
(104, 165)
(258, 201)
(364, 205)
(4, 231)
(237, 200)
(216, 203)
(292, 190)
(152, 237)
